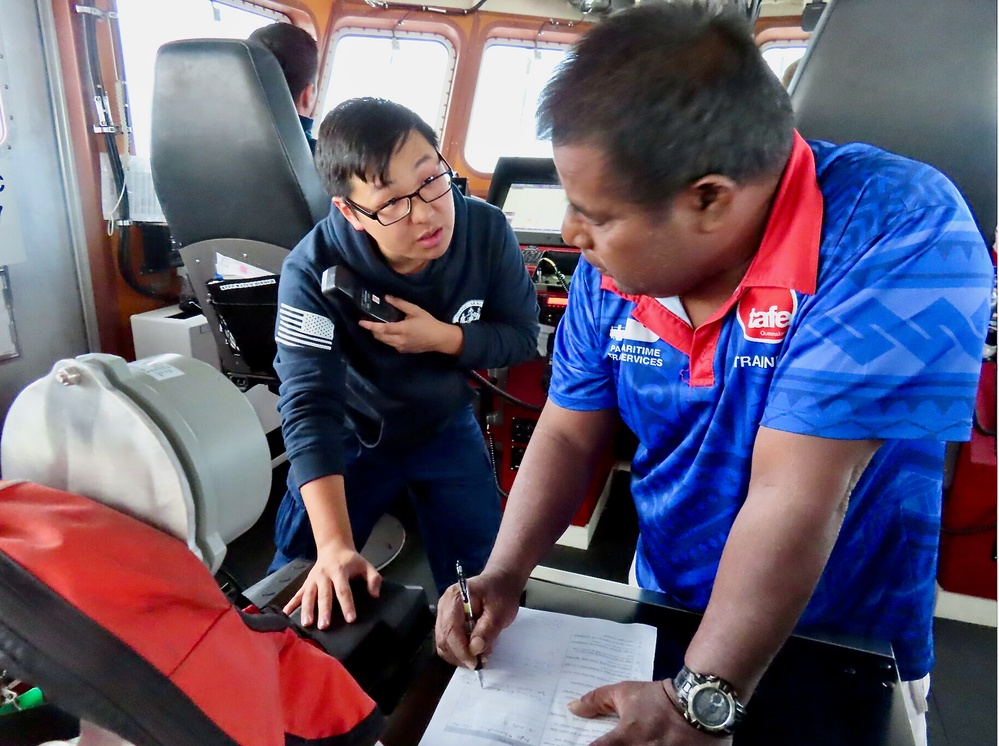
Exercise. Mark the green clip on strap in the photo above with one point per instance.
(31, 698)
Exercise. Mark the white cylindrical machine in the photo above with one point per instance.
(167, 439)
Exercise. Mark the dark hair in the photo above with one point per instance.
(359, 137)
(296, 51)
(671, 92)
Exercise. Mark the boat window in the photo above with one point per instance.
(780, 55)
(145, 25)
(512, 75)
(412, 69)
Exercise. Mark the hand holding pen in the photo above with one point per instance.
(466, 602)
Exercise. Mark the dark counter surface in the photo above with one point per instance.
(826, 691)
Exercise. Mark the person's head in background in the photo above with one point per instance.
(380, 163)
(670, 134)
(298, 55)
(789, 72)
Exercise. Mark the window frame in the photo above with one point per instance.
(509, 41)
(783, 36)
(119, 58)
(353, 29)
(5, 128)
(262, 10)
(784, 44)
(8, 125)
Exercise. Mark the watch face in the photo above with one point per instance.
(711, 707)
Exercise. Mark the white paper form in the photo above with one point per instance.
(540, 663)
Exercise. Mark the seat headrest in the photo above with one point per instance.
(229, 156)
(916, 78)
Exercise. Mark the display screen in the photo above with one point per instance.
(535, 208)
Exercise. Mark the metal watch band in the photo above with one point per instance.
(688, 682)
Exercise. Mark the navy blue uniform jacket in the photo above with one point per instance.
(334, 374)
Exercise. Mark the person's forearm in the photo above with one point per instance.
(553, 478)
(326, 503)
(774, 556)
(770, 566)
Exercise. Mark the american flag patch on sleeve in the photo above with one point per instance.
(297, 328)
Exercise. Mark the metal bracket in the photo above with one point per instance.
(90, 9)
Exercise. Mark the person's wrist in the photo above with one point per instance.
(335, 545)
(706, 702)
(674, 703)
(453, 339)
(677, 715)
(506, 575)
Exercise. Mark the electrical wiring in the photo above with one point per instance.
(492, 387)
(492, 460)
(106, 128)
(557, 272)
(969, 530)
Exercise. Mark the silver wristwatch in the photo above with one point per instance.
(708, 703)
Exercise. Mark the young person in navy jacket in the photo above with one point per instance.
(371, 410)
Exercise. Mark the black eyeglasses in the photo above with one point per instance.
(398, 208)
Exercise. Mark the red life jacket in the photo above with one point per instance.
(121, 625)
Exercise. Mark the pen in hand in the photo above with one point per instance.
(469, 619)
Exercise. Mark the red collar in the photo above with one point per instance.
(788, 257)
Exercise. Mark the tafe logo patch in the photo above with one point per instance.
(765, 314)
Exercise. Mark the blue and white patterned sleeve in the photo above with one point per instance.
(582, 378)
(890, 345)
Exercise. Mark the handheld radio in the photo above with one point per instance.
(340, 281)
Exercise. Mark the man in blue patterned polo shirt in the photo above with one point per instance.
(793, 331)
